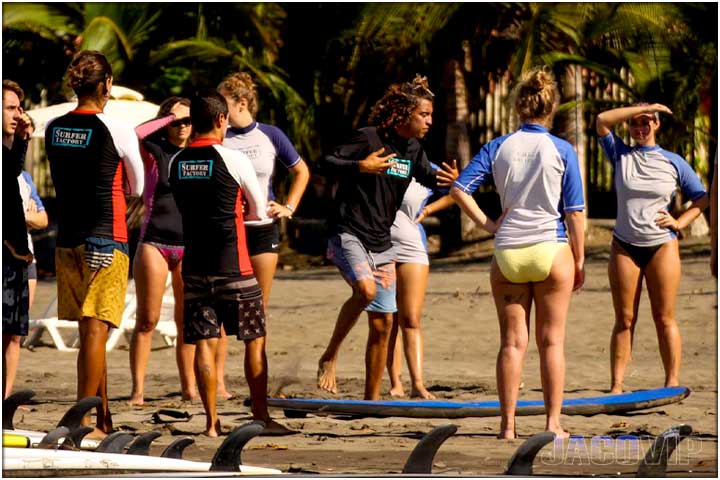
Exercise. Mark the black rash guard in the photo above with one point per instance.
(93, 160)
(162, 219)
(13, 221)
(209, 182)
(365, 203)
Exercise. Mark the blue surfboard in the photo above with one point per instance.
(612, 404)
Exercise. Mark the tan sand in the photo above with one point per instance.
(461, 337)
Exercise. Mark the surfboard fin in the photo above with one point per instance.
(73, 440)
(53, 437)
(655, 462)
(521, 463)
(422, 456)
(10, 405)
(75, 414)
(141, 444)
(176, 448)
(228, 455)
(114, 443)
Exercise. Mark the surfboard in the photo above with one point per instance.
(43, 463)
(608, 404)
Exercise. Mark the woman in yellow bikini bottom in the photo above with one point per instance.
(531, 263)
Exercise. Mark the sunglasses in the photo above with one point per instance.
(182, 122)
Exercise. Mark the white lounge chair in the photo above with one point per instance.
(53, 325)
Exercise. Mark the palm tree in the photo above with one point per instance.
(116, 29)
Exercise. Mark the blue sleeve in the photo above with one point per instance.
(572, 187)
(688, 180)
(33, 191)
(613, 147)
(479, 170)
(286, 152)
(437, 190)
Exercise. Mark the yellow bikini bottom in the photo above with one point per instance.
(528, 264)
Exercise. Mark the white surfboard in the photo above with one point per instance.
(35, 437)
(23, 461)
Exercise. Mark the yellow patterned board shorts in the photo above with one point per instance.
(83, 292)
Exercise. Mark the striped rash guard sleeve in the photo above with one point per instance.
(572, 187)
(479, 170)
(688, 180)
(128, 148)
(241, 169)
(614, 147)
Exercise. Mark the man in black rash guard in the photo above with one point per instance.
(210, 183)
(16, 254)
(373, 169)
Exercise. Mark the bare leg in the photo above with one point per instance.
(394, 361)
(184, 352)
(150, 271)
(32, 286)
(663, 277)
(11, 360)
(220, 360)
(513, 302)
(625, 285)
(411, 286)
(92, 371)
(552, 300)
(380, 325)
(363, 292)
(11, 348)
(205, 354)
(264, 266)
(256, 374)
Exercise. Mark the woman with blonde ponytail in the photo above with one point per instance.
(539, 242)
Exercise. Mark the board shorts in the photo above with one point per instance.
(356, 263)
(530, 263)
(92, 280)
(173, 254)
(16, 296)
(211, 302)
(262, 238)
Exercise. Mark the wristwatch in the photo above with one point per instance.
(290, 207)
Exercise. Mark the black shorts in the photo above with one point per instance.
(263, 238)
(32, 271)
(233, 302)
(16, 296)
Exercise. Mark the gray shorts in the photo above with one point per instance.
(356, 263)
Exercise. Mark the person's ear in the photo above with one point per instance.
(243, 104)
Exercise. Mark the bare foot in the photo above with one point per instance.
(422, 392)
(214, 430)
(136, 399)
(274, 429)
(507, 435)
(560, 434)
(225, 394)
(616, 389)
(190, 398)
(326, 376)
(397, 391)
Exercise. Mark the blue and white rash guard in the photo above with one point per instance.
(538, 179)
(263, 144)
(646, 179)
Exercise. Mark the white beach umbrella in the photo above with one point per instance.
(124, 104)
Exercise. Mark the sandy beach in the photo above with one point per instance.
(461, 341)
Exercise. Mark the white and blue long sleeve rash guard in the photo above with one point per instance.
(646, 179)
(538, 179)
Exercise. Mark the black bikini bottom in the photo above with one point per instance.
(641, 256)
